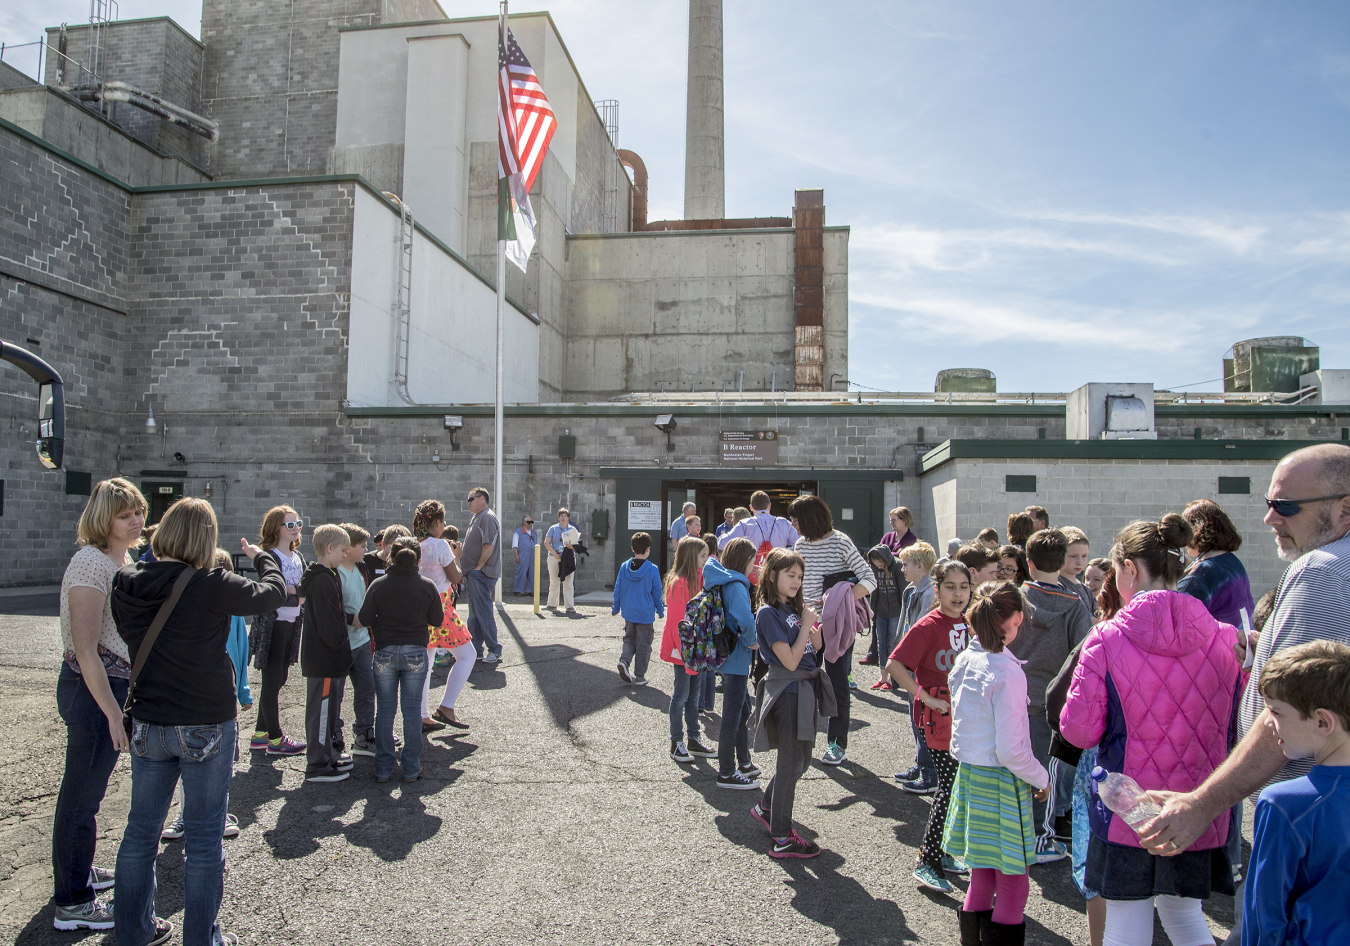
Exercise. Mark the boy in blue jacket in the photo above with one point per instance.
(638, 596)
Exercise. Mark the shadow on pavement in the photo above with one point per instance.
(572, 687)
(830, 898)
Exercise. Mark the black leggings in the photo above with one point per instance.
(930, 852)
(838, 673)
(274, 676)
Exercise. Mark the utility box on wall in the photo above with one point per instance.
(1101, 411)
(567, 448)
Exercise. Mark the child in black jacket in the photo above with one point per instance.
(325, 655)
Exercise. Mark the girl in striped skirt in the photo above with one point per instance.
(989, 824)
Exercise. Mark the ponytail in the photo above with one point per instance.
(994, 603)
(1156, 546)
(405, 556)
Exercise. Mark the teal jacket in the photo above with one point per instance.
(740, 617)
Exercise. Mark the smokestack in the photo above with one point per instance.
(704, 165)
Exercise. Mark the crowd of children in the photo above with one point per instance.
(1032, 672)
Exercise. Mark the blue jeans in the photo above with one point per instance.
(90, 758)
(885, 637)
(482, 623)
(922, 757)
(707, 690)
(203, 757)
(406, 666)
(363, 694)
(684, 705)
(733, 742)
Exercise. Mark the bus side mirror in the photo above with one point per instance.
(51, 425)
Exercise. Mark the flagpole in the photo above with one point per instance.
(498, 412)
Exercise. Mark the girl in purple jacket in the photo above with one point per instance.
(1156, 689)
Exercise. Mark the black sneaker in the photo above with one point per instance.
(761, 814)
(163, 932)
(624, 674)
(909, 775)
(363, 745)
(1064, 828)
(679, 753)
(699, 749)
(749, 770)
(794, 845)
(737, 782)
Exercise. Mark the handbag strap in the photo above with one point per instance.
(161, 617)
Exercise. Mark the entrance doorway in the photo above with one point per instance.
(712, 497)
(160, 496)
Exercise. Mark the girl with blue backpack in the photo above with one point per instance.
(732, 576)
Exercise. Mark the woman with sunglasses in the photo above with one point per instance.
(274, 639)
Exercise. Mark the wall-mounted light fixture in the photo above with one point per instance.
(153, 427)
(666, 423)
(454, 424)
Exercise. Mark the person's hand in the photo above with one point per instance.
(302, 600)
(249, 549)
(817, 639)
(118, 733)
(1182, 820)
(1043, 794)
(933, 703)
(1245, 639)
(809, 617)
(290, 589)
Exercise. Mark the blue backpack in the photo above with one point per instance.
(705, 640)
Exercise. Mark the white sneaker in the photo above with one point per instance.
(174, 830)
(490, 658)
(94, 915)
(231, 827)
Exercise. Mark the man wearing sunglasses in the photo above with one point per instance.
(1308, 509)
(482, 558)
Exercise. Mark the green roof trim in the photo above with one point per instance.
(751, 474)
(712, 410)
(1109, 450)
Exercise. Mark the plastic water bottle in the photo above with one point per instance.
(1123, 795)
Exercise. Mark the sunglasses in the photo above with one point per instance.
(1292, 507)
(529, 522)
(295, 524)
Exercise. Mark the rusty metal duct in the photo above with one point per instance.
(630, 160)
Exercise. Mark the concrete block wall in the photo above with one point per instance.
(1101, 497)
(270, 77)
(155, 55)
(58, 119)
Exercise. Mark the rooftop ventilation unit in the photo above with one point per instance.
(1111, 412)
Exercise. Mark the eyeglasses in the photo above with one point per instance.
(1292, 507)
(529, 522)
(296, 524)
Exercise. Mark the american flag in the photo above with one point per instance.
(525, 122)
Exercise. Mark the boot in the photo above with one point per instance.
(1002, 934)
(970, 925)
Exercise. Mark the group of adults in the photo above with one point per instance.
(561, 545)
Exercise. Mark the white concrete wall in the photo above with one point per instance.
(452, 356)
(1102, 496)
(836, 303)
(435, 149)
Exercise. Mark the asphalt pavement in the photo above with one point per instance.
(558, 818)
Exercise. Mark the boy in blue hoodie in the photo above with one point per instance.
(638, 596)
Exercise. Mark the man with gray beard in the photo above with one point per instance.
(1309, 512)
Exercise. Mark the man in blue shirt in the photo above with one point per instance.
(762, 527)
(678, 530)
(728, 523)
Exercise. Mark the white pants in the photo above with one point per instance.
(1130, 922)
(459, 675)
(554, 581)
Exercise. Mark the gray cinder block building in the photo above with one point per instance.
(242, 279)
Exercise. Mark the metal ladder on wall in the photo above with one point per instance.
(403, 303)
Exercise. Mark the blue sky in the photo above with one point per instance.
(1058, 191)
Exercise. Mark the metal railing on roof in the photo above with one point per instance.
(667, 398)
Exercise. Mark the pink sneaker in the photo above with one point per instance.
(285, 746)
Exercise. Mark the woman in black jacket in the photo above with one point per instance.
(183, 716)
(398, 609)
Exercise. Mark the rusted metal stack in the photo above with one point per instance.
(808, 218)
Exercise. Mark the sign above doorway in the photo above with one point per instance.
(749, 448)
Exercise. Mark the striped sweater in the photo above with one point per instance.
(1312, 603)
(834, 553)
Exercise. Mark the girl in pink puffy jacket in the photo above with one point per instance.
(1156, 690)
